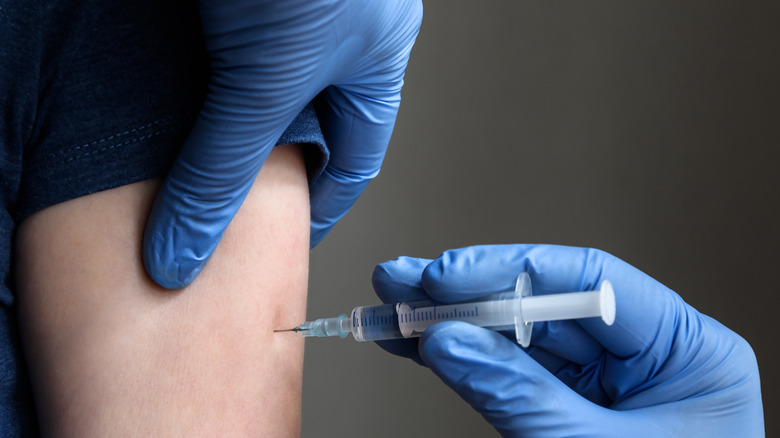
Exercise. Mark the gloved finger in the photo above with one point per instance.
(252, 98)
(400, 280)
(357, 129)
(468, 273)
(551, 362)
(403, 347)
(358, 112)
(204, 189)
(512, 391)
(567, 340)
(568, 352)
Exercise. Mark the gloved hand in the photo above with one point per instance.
(662, 369)
(269, 59)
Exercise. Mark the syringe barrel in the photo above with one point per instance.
(408, 320)
(497, 312)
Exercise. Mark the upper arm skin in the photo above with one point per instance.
(111, 353)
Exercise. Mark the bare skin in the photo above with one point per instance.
(112, 354)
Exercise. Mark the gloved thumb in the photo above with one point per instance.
(513, 392)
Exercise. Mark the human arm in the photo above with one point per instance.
(268, 60)
(111, 353)
(662, 369)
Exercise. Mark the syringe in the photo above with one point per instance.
(516, 310)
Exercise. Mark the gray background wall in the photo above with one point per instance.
(647, 129)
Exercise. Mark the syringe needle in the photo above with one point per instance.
(294, 329)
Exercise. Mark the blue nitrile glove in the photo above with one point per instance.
(269, 59)
(662, 369)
